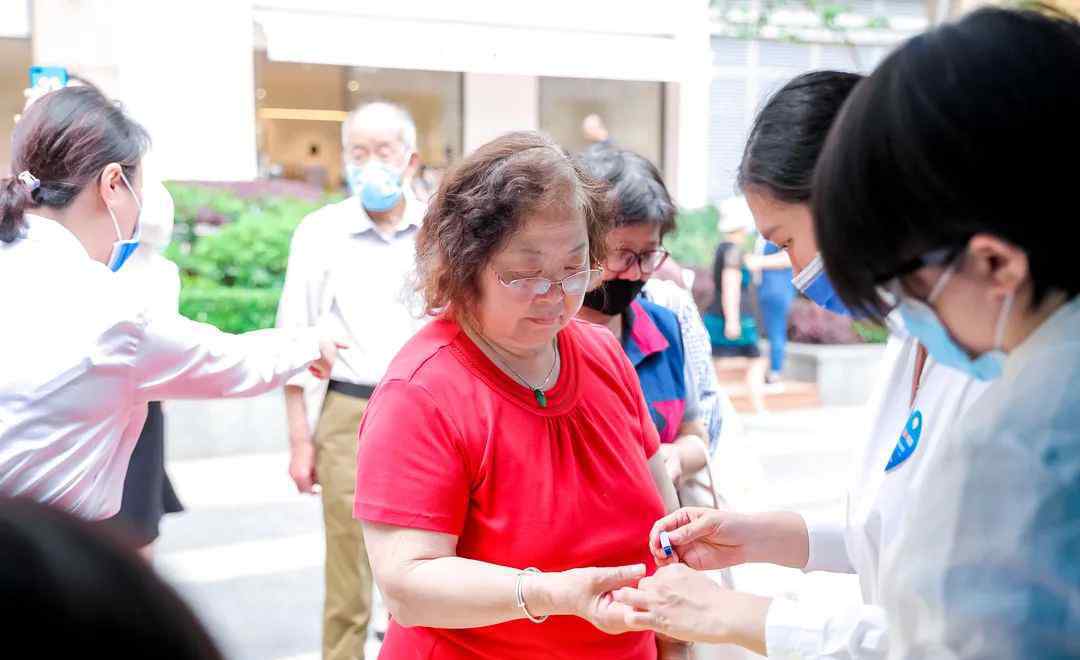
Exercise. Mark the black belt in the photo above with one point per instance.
(352, 389)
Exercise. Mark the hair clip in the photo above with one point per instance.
(29, 180)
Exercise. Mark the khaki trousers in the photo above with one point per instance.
(347, 608)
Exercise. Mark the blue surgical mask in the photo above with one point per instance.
(123, 248)
(814, 283)
(379, 187)
(923, 324)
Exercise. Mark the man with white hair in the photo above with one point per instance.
(349, 267)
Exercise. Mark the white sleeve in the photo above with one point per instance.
(301, 294)
(828, 546)
(802, 631)
(693, 412)
(177, 358)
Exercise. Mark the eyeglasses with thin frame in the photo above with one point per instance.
(576, 284)
(620, 261)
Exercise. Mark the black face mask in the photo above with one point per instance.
(614, 296)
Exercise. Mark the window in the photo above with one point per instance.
(301, 106)
(632, 112)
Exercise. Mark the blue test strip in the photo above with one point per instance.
(665, 543)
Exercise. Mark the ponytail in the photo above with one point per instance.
(16, 195)
(65, 139)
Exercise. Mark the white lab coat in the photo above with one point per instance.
(875, 506)
(988, 562)
(81, 358)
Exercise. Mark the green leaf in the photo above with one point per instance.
(695, 238)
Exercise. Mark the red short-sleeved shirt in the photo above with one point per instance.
(451, 444)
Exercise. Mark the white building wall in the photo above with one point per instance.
(185, 70)
(495, 104)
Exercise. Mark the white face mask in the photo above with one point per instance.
(123, 248)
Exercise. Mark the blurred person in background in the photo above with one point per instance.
(595, 132)
(731, 318)
(775, 295)
(349, 268)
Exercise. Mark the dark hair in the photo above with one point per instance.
(952, 136)
(65, 139)
(635, 188)
(481, 203)
(65, 587)
(790, 131)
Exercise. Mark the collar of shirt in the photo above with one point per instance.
(1061, 325)
(361, 223)
(56, 236)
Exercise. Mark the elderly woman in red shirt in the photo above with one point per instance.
(509, 444)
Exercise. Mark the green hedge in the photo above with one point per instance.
(231, 309)
(232, 252)
(694, 241)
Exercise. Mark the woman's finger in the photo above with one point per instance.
(635, 598)
(671, 521)
(698, 528)
(635, 620)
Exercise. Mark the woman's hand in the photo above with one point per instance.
(709, 539)
(732, 328)
(585, 593)
(302, 466)
(688, 605)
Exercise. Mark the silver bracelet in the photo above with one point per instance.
(519, 594)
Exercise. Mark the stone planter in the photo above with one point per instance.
(845, 374)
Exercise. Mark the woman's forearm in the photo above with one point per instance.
(454, 592)
(731, 295)
(691, 446)
(782, 539)
(663, 482)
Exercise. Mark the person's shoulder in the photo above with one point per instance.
(591, 336)
(663, 318)
(326, 219)
(421, 360)
(599, 349)
(669, 294)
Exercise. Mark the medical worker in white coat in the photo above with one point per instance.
(916, 403)
(80, 356)
(937, 170)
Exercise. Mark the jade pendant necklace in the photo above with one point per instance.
(538, 392)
